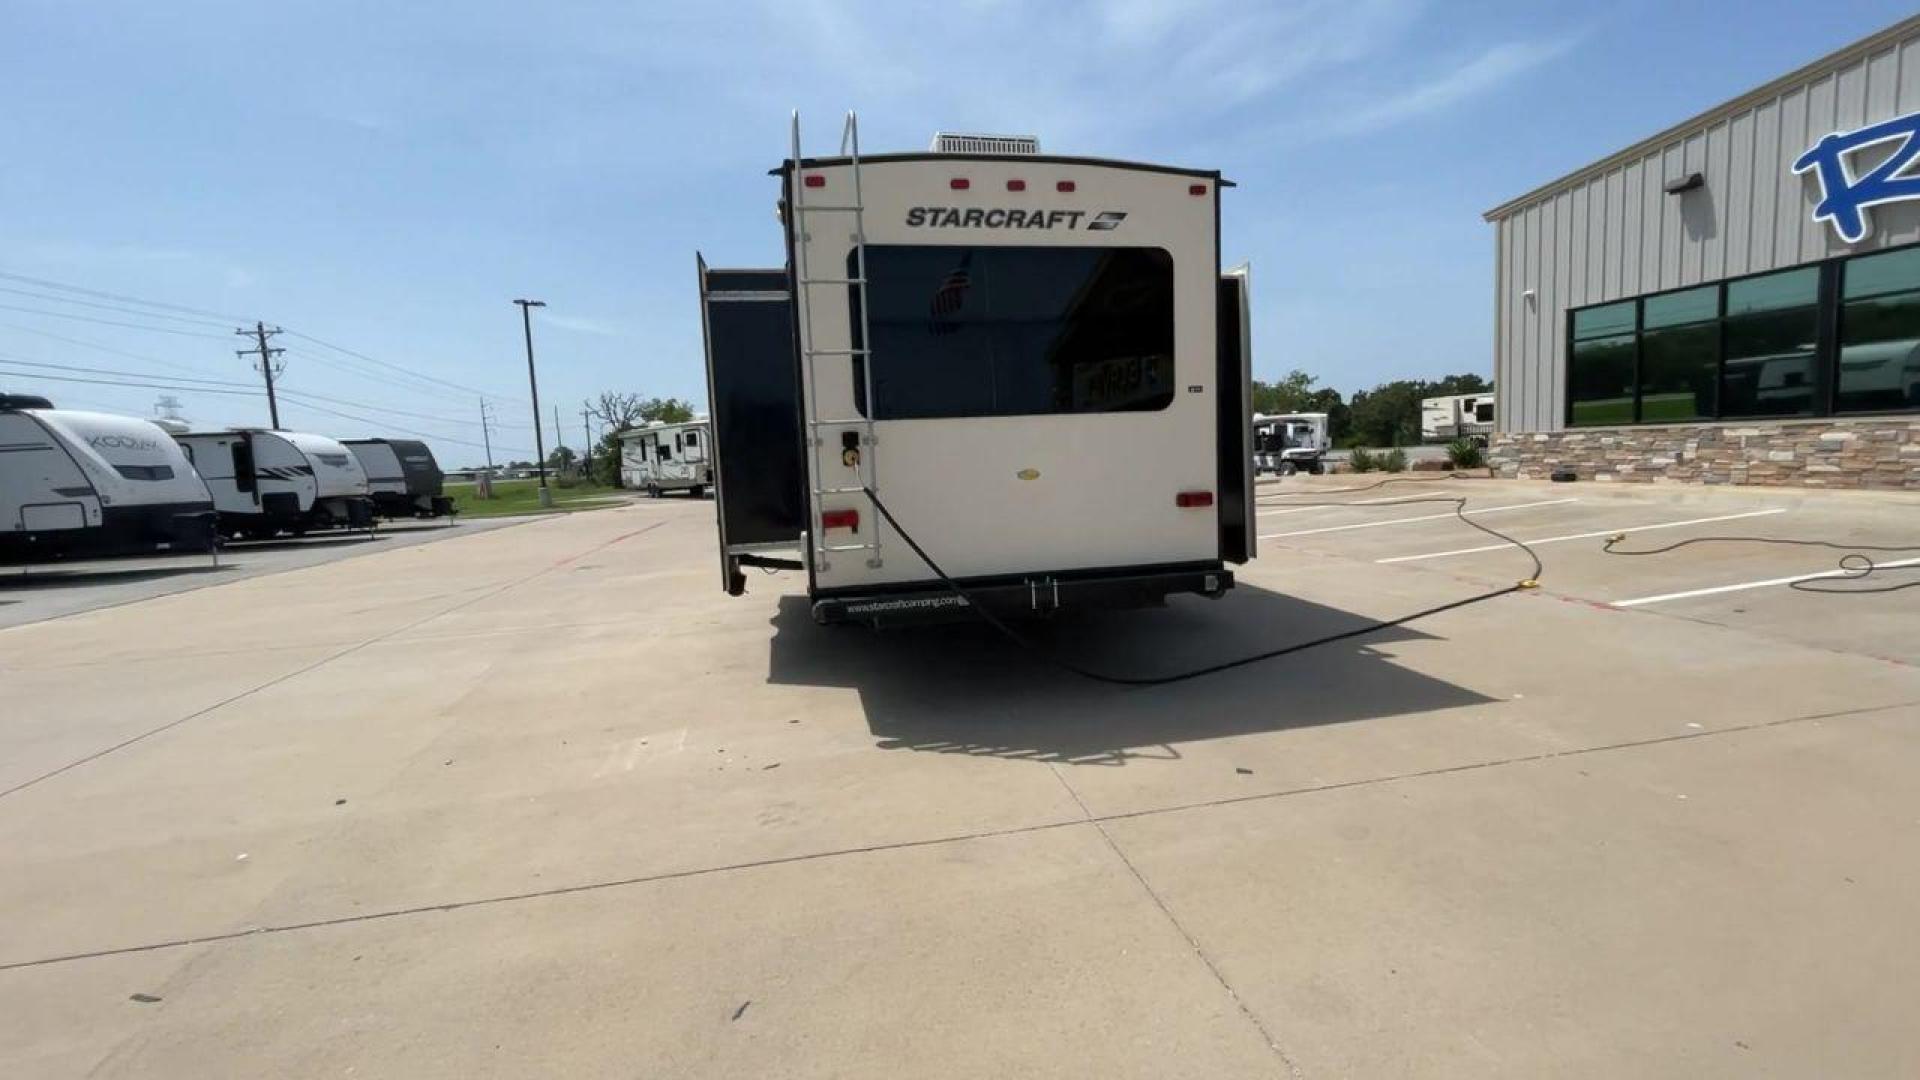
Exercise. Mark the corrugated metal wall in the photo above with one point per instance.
(1614, 233)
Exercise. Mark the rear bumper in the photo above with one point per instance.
(1023, 596)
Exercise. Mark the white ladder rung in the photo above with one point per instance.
(836, 352)
(833, 281)
(828, 548)
(840, 491)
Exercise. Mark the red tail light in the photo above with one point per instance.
(1064, 185)
(1016, 185)
(848, 519)
(1188, 500)
(959, 183)
(816, 180)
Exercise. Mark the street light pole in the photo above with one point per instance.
(533, 384)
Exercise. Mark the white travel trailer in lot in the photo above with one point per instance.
(403, 479)
(83, 483)
(268, 482)
(1456, 416)
(1291, 443)
(1030, 366)
(665, 457)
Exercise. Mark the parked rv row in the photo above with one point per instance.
(85, 483)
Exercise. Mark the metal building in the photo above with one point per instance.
(1642, 292)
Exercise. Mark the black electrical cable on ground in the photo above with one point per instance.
(1459, 508)
(1855, 565)
(1258, 496)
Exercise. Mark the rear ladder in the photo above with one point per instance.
(804, 281)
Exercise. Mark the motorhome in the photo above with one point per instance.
(1029, 366)
(664, 457)
(267, 482)
(1456, 416)
(403, 479)
(83, 483)
(1291, 443)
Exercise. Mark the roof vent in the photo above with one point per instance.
(954, 142)
(24, 401)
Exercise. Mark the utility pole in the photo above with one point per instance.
(268, 369)
(533, 383)
(559, 441)
(586, 432)
(486, 434)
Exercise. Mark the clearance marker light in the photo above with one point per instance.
(1188, 500)
(816, 180)
(959, 183)
(1064, 185)
(1196, 189)
(1016, 185)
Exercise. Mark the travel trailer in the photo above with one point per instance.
(1290, 443)
(87, 483)
(1458, 416)
(665, 457)
(984, 376)
(265, 482)
(403, 479)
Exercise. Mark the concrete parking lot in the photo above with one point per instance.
(544, 801)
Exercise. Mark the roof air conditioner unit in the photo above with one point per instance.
(953, 142)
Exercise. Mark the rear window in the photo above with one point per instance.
(1002, 331)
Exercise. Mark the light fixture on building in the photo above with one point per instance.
(1686, 183)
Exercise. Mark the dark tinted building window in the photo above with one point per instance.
(960, 331)
(1600, 369)
(1772, 331)
(1880, 334)
(1679, 355)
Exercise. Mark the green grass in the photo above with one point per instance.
(523, 497)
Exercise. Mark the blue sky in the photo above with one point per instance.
(388, 177)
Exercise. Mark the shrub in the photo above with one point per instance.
(1465, 454)
(1363, 460)
(1395, 460)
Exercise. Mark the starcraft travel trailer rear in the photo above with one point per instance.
(1032, 366)
(403, 479)
(268, 482)
(84, 483)
(667, 457)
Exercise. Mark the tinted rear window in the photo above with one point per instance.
(999, 331)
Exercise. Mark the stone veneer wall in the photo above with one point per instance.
(1863, 452)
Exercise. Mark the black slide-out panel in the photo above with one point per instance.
(753, 391)
(1234, 430)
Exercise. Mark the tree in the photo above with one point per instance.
(615, 409)
(560, 458)
(1298, 393)
(666, 410)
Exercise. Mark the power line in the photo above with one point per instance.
(122, 297)
(19, 361)
(376, 408)
(110, 382)
(110, 322)
(396, 367)
(395, 427)
(104, 348)
(109, 307)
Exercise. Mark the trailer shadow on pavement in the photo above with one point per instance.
(51, 576)
(965, 689)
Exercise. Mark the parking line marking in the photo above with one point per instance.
(1743, 586)
(1335, 506)
(1582, 536)
(1411, 520)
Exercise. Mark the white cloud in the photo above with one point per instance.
(1480, 74)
